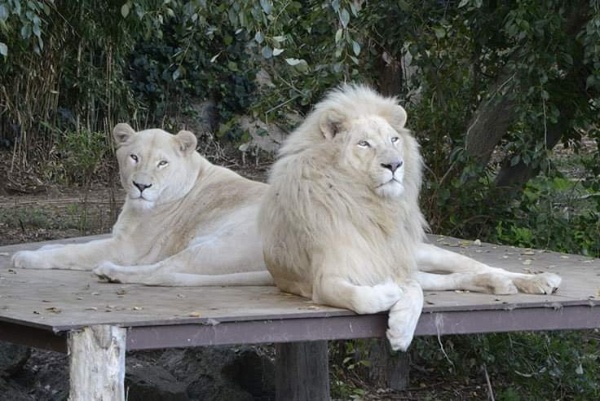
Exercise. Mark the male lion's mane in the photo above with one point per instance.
(316, 202)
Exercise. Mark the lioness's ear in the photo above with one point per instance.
(399, 117)
(122, 132)
(331, 123)
(187, 141)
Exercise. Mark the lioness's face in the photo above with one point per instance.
(373, 149)
(155, 166)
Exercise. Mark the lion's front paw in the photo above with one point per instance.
(108, 271)
(403, 318)
(28, 259)
(543, 283)
(377, 298)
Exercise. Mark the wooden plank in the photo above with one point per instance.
(302, 371)
(97, 364)
(60, 301)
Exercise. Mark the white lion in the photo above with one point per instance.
(341, 222)
(185, 221)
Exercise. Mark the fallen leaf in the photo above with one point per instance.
(53, 309)
(195, 314)
(137, 308)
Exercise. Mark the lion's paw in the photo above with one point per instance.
(377, 298)
(28, 259)
(543, 283)
(108, 271)
(404, 316)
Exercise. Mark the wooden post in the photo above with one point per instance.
(302, 371)
(97, 364)
(388, 369)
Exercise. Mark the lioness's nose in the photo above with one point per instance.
(393, 166)
(141, 187)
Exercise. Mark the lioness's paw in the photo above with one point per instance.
(108, 271)
(404, 316)
(496, 283)
(543, 283)
(28, 259)
(377, 298)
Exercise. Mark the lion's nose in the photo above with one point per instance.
(141, 187)
(393, 166)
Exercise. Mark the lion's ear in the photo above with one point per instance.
(122, 132)
(331, 124)
(187, 141)
(399, 117)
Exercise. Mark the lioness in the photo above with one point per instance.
(341, 222)
(185, 221)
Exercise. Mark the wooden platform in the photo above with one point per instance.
(44, 308)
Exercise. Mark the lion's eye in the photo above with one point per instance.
(364, 144)
(134, 158)
(162, 163)
(395, 139)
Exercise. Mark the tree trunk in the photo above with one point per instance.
(489, 123)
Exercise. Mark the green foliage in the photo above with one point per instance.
(543, 366)
(78, 157)
(553, 213)
(348, 368)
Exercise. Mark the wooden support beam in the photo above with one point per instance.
(97, 363)
(302, 371)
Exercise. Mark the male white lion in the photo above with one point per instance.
(185, 221)
(341, 222)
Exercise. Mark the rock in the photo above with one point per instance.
(203, 373)
(12, 358)
(153, 383)
(223, 373)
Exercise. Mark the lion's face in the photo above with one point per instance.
(372, 149)
(155, 167)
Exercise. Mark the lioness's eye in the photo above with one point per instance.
(134, 158)
(364, 144)
(162, 163)
(395, 139)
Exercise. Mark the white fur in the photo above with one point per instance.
(184, 222)
(341, 223)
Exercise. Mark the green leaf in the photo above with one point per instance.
(299, 64)
(3, 13)
(125, 10)
(345, 18)
(266, 6)
(3, 49)
(267, 52)
(338, 35)
(440, 32)
(356, 47)
(259, 37)
(277, 51)
(176, 74)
